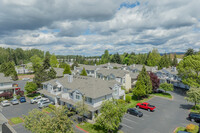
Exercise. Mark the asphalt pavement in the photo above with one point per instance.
(168, 115)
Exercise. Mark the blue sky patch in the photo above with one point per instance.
(129, 5)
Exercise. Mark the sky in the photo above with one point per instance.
(89, 27)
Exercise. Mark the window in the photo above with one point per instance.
(77, 96)
(89, 100)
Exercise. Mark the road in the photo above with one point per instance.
(168, 115)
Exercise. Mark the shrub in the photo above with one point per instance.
(128, 98)
(126, 91)
(18, 96)
(192, 128)
(121, 101)
(52, 106)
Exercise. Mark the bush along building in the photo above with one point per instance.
(71, 89)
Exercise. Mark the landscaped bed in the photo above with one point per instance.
(179, 129)
(16, 120)
(197, 110)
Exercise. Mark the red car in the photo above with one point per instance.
(146, 106)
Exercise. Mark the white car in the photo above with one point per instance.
(5, 103)
(43, 100)
(35, 100)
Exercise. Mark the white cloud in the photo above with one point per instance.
(89, 27)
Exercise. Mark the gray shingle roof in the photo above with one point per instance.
(89, 86)
(59, 72)
(4, 79)
(88, 67)
(116, 72)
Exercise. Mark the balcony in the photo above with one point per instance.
(56, 91)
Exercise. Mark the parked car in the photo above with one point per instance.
(44, 104)
(158, 91)
(35, 100)
(182, 132)
(14, 101)
(146, 106)
(135, 112)
(22, 99)
(43, 100)
(5, 103)
(194, 117)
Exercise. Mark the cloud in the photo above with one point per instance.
(90, 27)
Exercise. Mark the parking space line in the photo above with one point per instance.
(127, 126)
(135, 117)
(129, 120)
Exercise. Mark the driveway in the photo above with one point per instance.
(168, 115)
(21, 84)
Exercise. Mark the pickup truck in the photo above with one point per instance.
(146, 106)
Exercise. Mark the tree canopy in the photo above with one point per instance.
(53, 61)
(83, 72)
(143, 85)
(189, 70)
(154, 80)
(67, 69)
(111, 115)
(30, 87)
(52, 73)
(40, 122)
(193, 95)
(166, 87)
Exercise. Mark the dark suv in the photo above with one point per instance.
(194, 117)
(135, 112)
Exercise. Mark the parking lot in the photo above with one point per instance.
(168, 115)
(18, 111)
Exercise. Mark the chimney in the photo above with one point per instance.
(75, 68)
(109, 63)
(95, 64)
(133, 65)
(69, 77)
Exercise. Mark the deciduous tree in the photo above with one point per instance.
(111, 115)
(30, 87)
(166, 87)
(154, 80)
(53, 61)
(193, 95)
(189, 70)
(40, 122)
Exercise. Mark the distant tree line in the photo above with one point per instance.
(18, 55)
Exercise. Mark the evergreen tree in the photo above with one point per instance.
(67, 70)
(116, 58)
(53, 61)
(143, 85)
(189, 51)
(9, 70)
(40, 76)
(153, 58)
(52, 74)
(175, 62)
(105, 58)
(74, 64)
(83, 73)
(46, 63)
(164, 62)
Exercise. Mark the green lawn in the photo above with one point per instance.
(179, 129)
(197, 109)
(16, 120)
(48, 110)
(90, 128)
(166, 95)
(135, 101)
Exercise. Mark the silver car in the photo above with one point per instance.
(43, 100)
(44, 104)
(14, 101)
(5, 103)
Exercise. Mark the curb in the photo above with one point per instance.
(175, 129)
(82, 129)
